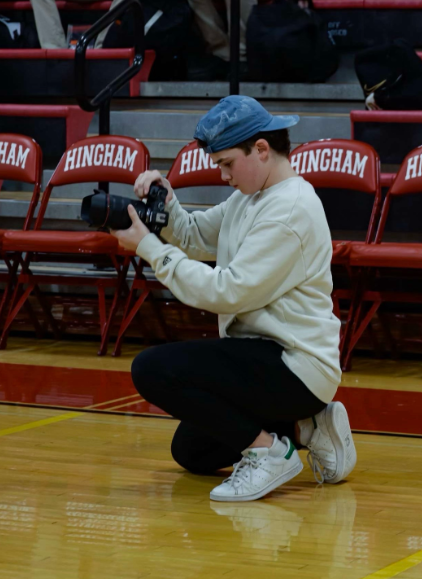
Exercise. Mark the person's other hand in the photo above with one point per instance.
(130, 238)
(145, 180)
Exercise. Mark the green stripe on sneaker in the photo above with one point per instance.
(314, 421)
(291, 450)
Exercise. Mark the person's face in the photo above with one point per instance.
(245, 172)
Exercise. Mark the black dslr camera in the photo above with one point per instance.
(104, 210)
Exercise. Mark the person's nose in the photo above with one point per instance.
(225, 175)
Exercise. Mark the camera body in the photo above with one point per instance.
(104, 210)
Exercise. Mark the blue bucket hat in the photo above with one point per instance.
(235, 119)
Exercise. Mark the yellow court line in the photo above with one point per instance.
(38, 423)
(67, 416)
(397, 568)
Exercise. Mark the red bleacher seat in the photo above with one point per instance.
(193, 167)
(387, 254)
(381, 256)
(21, 161)
(107, 158)
(373, 127)
(74, 128)
(316, 162)
(348, 166)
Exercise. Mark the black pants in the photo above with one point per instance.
(225, 392)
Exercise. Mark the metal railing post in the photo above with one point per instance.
(234, 45)
(103, 99)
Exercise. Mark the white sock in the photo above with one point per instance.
(278, 447)
(306, 428)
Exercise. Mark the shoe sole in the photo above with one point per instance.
(339, 429)
(294, 471)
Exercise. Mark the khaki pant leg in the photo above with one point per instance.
(211, 27)
(49, 27)
(245, 10)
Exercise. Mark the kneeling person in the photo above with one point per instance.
(268, 383)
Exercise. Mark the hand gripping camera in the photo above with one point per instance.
(104, 210)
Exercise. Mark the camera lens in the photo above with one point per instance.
(102, 210)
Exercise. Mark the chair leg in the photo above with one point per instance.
(128, 317)
(353, 315)
(39, 331)
(106, 329)
(391, 342)
(5, 298)
(57, 333)
(14, 310)
(357, 331)
(8, 290)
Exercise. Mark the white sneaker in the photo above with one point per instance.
(258, 473)
(332, 452)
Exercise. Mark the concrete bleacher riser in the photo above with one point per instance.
(165, 133)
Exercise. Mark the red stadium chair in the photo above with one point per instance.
(20, 160)
(105, 158)
(191, 168)
(347, 166)
(381, 258)
(393, 134)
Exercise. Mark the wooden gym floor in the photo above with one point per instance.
(88, 487)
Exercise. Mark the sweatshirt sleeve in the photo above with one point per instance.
(268, 264)
(195, 233)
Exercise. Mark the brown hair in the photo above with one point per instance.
(279, 141)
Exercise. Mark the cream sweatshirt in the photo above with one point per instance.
(272, 279)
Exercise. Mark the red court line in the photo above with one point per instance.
(370, 410)
(390, 411)
(69, 387)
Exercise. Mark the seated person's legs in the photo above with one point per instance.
(48, 23)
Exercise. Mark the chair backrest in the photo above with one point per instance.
(342, 164)
(21, 160)
(338, 163)
(106, 158)
(193, 167)
(408, 181)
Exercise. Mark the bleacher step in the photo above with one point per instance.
(165, 133)
(318, 91)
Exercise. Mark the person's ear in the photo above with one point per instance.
(263, 149)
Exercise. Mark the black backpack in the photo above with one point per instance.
(393, 72)
(26, 38)
(288, 44)
(168, 35)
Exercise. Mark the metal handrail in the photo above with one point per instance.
(103, 98)
(107, 92)
(234, 45)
